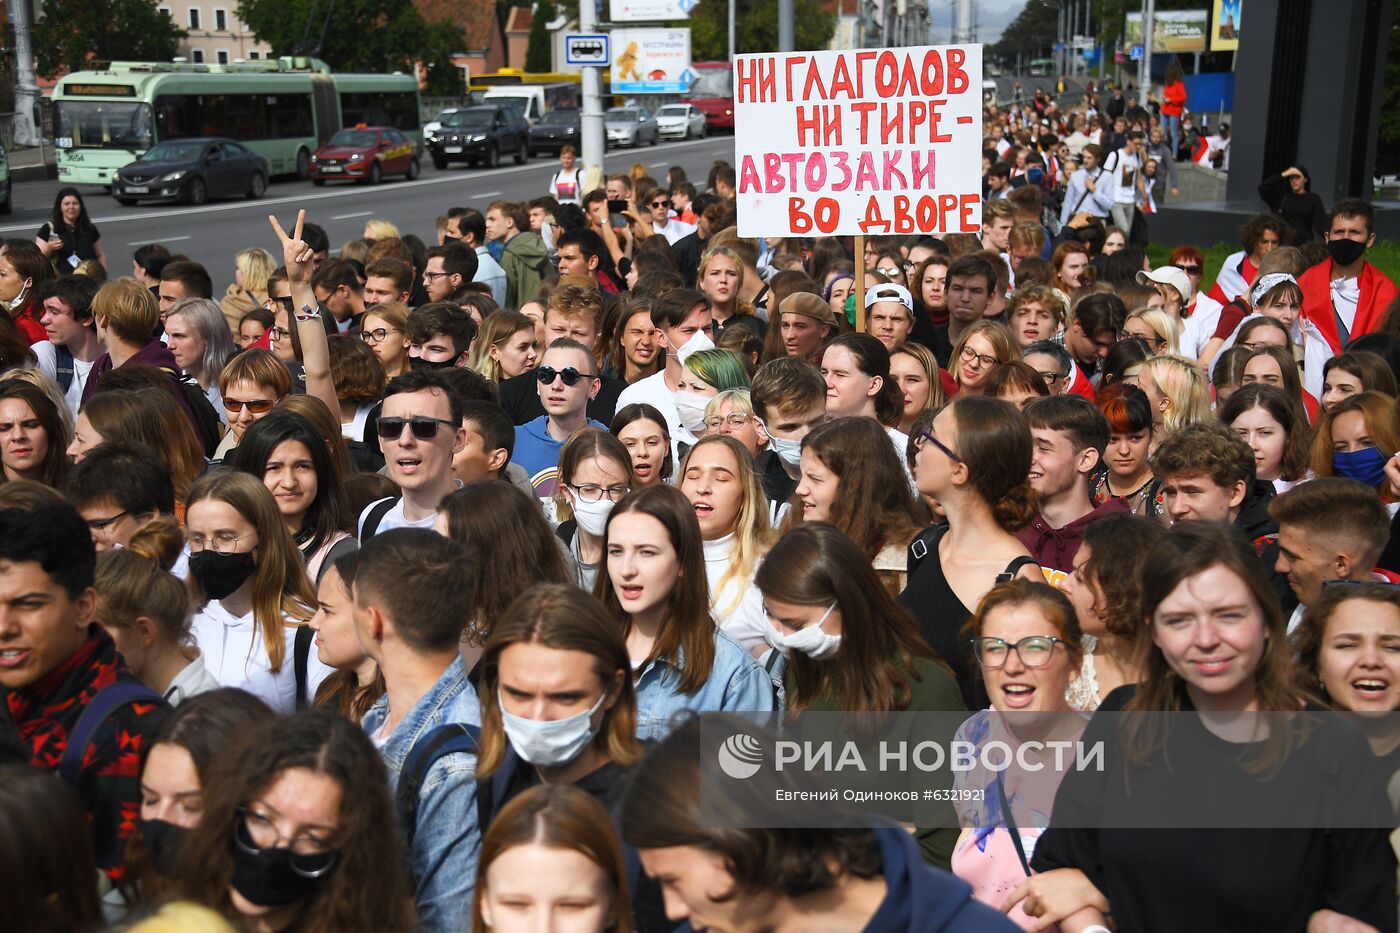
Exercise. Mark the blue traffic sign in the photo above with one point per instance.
(587, 49)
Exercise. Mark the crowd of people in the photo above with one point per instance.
(377, 594)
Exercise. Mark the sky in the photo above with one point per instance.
(992, 16)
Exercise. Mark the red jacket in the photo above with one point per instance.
(28, 323)
(1174, 99)
(1377, 292)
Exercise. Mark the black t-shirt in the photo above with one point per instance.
(78, 246)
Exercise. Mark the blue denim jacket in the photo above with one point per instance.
(447, 840)
(737, 682)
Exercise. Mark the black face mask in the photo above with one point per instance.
(418, 362)
(163, 841)
(219, 575)
(1345, 252)
(267, 878)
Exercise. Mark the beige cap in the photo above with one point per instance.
(808, 305)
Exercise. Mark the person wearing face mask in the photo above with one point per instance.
(719, 479)
(1354, 438)
(595, 473)
(410, 589)
(24, 271)
(254, 591)
(1347, 296)
(301, 836)
(789, 399)
(656, 591)
(707, 373)
(847, 645)
(176, 767)
(683, 322)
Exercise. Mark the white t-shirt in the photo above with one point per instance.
(392, 519)
(1125, 173)
(653, 391)
(234, 655)
(354, 429)
(1346, 293)
(744, 620)
(47, 355)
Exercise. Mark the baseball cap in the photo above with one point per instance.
(808, 305)
(1168, 275)
(889, 291)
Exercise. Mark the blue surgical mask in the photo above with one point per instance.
(551, 743)
(1365, 466)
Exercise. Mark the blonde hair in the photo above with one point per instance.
(257, 266)
(380, 230)
(929, 364)
(283, 596)
(1179, 381)
(128, 309)
(753, 535)
(496, 331)
(1163, 324)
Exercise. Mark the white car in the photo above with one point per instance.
(680, 121)
(432, 128)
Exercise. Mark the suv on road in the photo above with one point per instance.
(480, 136)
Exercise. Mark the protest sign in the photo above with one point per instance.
(866, 141)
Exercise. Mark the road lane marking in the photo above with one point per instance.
(348, 216)
(164, 239)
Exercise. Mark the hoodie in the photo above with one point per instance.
(526, 262)
(920, 898)
(1054, 548)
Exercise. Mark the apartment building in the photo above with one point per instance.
(216, 34)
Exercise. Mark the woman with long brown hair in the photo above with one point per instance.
(356, 682)
(250, 577)
(1214, 651)
(32, 435)
(654, 586)
(552, 852)
(299, 833)
(151, 418)
(1355, 437)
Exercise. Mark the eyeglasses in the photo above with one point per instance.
(1189, 270)
(1050, 376)
(277, 334)
(968, 355)
(224, 542)
(424, 428)
(378, 334)
(102, 525)
(255, 405)
(1033, 650)
(592, 492)
(568, 375)
(927, 437)
(310, 857)
(434, 276)
(735, 420)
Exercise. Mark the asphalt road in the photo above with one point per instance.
(211, 234)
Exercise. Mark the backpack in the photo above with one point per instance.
(927, 540)
(63, 366)
(375, 516)
(207, 425)
(447, 739)
(106, 702)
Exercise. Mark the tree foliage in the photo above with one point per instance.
(1388, 139)
(360, 35)
(1031, 34)
(539, 54)
(755, 27)
(72, 32)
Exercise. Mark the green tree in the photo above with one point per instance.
(1388, 137)
(72, 32)
(755, 27)
(1031, 34)
(539, 56)
(360, 35)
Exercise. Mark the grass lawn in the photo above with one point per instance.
(1385, 255)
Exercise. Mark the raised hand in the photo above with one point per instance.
(296, 255)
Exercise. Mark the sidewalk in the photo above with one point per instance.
(32, 163)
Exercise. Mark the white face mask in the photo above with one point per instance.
(698, 341)
(549, 744)
(690, 408)
(788, 451)
(811, 640)
(592, 517)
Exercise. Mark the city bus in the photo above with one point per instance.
(282, 109)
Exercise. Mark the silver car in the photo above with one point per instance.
(630, 126)
(680, 121)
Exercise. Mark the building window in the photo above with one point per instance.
(220, 20)
(165, 9)
(194, 17)
(221, 56)
(197, 56)
(254, 56)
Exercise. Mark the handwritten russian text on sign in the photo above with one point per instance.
(867, 141)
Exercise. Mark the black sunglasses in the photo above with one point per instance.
(425, 429)
(570, 376)
(1189, 270)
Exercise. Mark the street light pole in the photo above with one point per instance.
(592, 116)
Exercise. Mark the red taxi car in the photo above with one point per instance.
(365, 153)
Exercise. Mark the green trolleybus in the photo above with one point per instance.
(280, 108)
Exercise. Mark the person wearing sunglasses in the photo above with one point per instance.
(302, 836)
(663, 222)
(566, 381)
(1026, 640)
(420, 431)
(251, 384)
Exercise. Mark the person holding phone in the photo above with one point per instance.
(70, 238)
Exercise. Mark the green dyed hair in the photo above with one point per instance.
(720, 368)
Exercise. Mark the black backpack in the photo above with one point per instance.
(206, 420)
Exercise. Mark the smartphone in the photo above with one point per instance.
(617, 206)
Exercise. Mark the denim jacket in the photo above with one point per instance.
(737, 682)
(447, 840)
